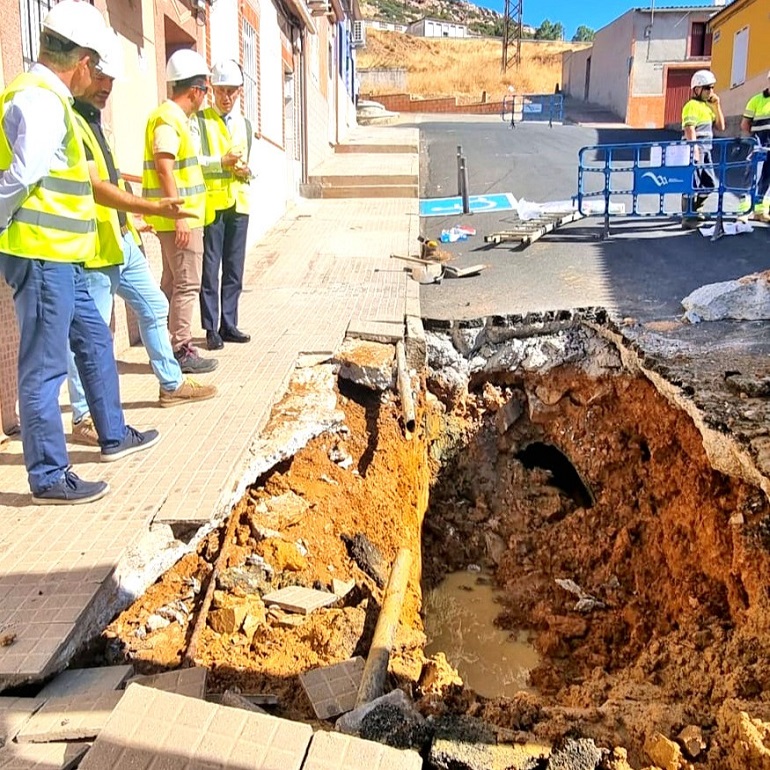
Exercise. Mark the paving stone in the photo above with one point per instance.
(70, 719)
(333, 689)
(299, 599)
(42, 756)
(14, 713)
(183, 733)
(77, 681)
(184, 681)
(334, 751)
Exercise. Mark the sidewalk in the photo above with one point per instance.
(323, 271)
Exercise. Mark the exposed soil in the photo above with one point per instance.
(667, 625)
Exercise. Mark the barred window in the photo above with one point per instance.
(250, 73)
(32, 14)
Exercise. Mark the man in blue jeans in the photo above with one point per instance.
(120, 267)
(47, 227)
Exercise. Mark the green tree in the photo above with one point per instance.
(583, 34)
(549, 30)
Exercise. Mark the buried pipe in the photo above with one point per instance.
(405, 389)
(376, 668)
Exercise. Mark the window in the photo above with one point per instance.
(32, 14)
(740, 55)
(250, 73)
(700, 41)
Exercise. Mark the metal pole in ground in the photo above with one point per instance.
(459, 173)
(464, 185)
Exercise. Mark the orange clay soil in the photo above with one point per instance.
(678, 631)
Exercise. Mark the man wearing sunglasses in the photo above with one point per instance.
(699, 117)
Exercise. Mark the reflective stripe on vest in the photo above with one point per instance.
(187, 171)
(223, 188)
(110, 237)
(57, 219)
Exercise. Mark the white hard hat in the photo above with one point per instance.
(80, 23)
(702, 78)
(226, 73)
(185, 63)
(111, 63)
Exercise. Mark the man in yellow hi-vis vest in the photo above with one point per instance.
(756, 122)
(172, 170)
(120, 266)
(225, 139)
(47, 230)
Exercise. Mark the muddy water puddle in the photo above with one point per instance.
(459, 617)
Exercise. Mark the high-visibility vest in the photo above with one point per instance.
(223, 188)
(187, 170)
(57, 220)
(110, 250)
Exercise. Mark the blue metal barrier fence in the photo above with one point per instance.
(669, 179)
(535, 108)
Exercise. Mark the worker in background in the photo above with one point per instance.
(225, 142)
(47, 229)
(700, 115)
(171, 170)
(756, 122)
(120, 267)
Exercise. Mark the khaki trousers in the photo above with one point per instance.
(181, 283)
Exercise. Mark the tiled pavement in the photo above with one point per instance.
(324, 269)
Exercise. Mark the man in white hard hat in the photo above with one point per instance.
(172, 170)
(120, 267)
(47, 229)
(225, 139)
(700, 114)
(756, 123)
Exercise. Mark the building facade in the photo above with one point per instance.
(298, 61)
(437, 28)
(640, 65)
(740, 59)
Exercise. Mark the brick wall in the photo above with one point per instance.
(407, 103)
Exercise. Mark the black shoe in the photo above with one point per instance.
(71, 490)
(214, 341)
(135, 441)
(234, 335)
(191, 363)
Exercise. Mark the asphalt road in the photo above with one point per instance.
(642, 272)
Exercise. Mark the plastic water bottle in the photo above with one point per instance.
(453, 235)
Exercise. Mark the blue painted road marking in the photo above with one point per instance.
(443, 207)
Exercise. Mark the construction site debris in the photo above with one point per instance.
(190, 682)
(332, 690)
(743, 299)
(366, 555)
(300, 599)
(77, 681)
(365, 363)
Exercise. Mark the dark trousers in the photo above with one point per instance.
(55, 312)
(224, 251)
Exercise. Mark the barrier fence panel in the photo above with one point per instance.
(533, 108)
(690, 180)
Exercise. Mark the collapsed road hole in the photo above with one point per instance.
(564, 474)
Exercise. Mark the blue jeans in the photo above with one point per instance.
(55, 312)
(134, 283)
(224, 247)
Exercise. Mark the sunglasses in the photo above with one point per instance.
(708, 88)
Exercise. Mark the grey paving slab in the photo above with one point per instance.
(182, 733)
(42, 756)
(14, 713)
(333, 690)
(81, 681)
(300, 599)
(64, 719)
(335, 751)
(190, 682)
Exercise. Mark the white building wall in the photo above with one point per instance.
(224, 32)
(610, 62)
(573, 72)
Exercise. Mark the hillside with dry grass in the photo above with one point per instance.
(464, 67)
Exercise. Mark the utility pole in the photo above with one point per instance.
(512, 33)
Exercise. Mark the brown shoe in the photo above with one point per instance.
(84, 432)
(190, 390)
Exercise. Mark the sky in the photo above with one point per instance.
(573, 13)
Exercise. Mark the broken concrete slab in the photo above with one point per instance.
(79, 681)
(79, 717)
(190, 682)
(14, 714)
(189, 733)
(300, 599)
(745, 299)
(365, 363)
(447, 754)
(281, 511)
(237, 701)
(333, 690)
(42, 756)
(580, 754)
(334, 751)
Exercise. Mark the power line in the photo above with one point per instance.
(512, 33)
